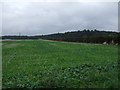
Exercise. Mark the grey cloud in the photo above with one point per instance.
(0, 19)
(44, 18)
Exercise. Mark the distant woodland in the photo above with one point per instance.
(85, 36)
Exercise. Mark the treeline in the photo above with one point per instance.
(86, 36)
(20, 37)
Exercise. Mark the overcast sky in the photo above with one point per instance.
(51, 17)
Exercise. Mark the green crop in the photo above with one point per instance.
(54, 64)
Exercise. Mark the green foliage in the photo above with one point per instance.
(53, 64)
(86, 36)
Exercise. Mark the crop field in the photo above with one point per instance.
(54, 64)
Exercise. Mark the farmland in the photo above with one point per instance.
(54, 64)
